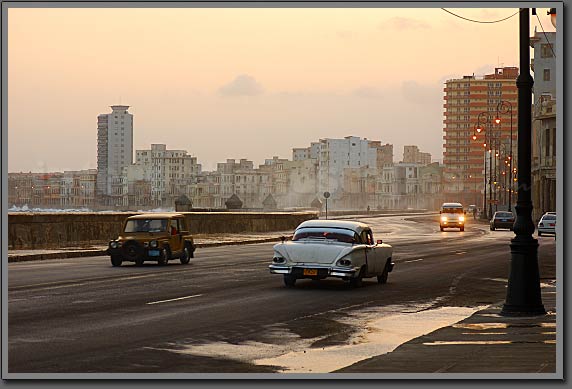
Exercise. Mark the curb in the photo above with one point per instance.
(95, 253)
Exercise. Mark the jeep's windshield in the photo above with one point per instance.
(146, 225)
(337, 234)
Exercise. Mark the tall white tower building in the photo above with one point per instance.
(114, 149)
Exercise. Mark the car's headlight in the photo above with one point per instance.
(113, 244)
(461, 218)
(443, 218)
(345, 262)
(153, 244)
(278, 260)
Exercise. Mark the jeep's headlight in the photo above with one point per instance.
(153, 244)
(345, 262)
(113, 244)
(461, 218)
(443, 218)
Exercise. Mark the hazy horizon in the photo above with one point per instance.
(240, 82)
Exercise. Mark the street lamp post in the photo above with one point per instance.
(523, 292)
(506, 107)
(484, 118)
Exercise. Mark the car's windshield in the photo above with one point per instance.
(146, 225)
(337, 234)
(452, 210)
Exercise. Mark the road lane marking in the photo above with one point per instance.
(414, 260)
(176, 299)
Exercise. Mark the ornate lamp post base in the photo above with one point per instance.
(523, 295)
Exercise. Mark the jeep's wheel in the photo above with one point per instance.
(139, 261)
(462, 228)
(442, 229)
(132, 251)
(289, 281)
(163, 257)
(116, 260)
(186, 255)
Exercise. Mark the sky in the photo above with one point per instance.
(241, 83)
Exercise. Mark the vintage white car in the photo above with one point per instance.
(332, 248)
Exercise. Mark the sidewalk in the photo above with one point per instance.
(485, 342)
(203, 240)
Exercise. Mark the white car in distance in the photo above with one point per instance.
(332, 248)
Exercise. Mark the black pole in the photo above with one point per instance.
(523, 293)
(510, 165)
(490, 180)
(485, 197)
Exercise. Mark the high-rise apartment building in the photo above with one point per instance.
(463, 158)
(114, 150)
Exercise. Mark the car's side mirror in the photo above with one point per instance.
(282, 238)
(379, 241)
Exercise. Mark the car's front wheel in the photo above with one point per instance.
(164, 256)
(289, 281)
(116, 260)
(382, 279)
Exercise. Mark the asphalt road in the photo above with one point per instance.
(225, 310)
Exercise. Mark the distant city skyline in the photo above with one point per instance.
(210, 82)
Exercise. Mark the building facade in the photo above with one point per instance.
(472, 102)
(114, 152)
(412, 154)
(543, 167)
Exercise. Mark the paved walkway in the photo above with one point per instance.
(485, 342)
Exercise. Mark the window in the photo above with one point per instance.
(546, 50)
(554, 142)
(546, 74)
(547, 143)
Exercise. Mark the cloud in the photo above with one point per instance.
(344, 34)
(242, 85)
(400, 23)
(485, 69)
(368, 92)
(421, 94)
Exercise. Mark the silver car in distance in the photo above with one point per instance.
(332, 248)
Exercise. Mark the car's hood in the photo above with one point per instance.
(314, 252)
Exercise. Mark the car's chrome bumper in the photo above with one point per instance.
(323, 271)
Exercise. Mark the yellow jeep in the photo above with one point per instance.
(153, 237)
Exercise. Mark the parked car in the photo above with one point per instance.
(452, 215)
(156, 237)
(332, 248)
(547, 224)
(502, 219)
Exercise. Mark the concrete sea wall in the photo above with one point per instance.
(79, 229)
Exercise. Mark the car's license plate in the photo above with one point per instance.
(504, 220)
(310, 272)
(153, 253)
